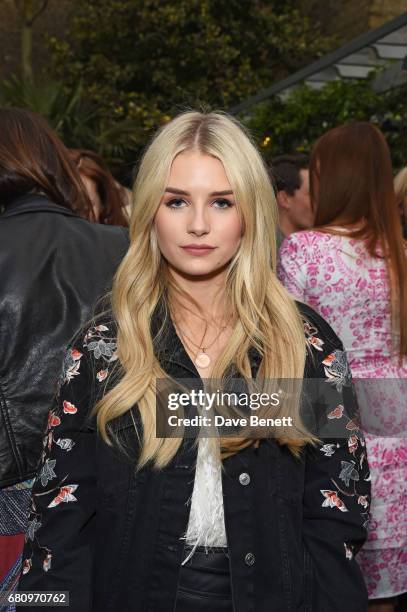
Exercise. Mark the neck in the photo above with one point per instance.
(287, 227)
(208, 293)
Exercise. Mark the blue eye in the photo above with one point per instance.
(222, 204)
(176, 203)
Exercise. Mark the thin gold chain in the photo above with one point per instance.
(200, 347)
(189, 339)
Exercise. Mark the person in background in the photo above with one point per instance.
(352, 268)
(54, 265)
(109, 199)
(290, 176)
(400, 186)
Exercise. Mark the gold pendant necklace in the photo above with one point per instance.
(202, 359)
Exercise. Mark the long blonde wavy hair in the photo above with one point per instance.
(265, 316)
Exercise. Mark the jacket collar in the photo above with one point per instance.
(171, 353)
(168, 347)
(32, 202)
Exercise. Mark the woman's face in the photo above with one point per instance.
(197, 225)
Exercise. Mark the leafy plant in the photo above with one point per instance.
(65, 110)
(78, 122)
(294, 122)
(142, 61)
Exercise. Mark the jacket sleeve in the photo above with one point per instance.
(58, 550)
(337, 489)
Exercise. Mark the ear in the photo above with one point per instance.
(283, 200)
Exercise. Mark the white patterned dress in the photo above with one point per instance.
(349, 288)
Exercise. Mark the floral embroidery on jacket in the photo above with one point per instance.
(311, 336)
(101, 345)
(338, 374)
(337, 369)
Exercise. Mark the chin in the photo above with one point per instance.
(199, 271)
(191, 271)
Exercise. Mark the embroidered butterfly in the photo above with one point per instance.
(64, 495)
(348, 551)
(353, 444)
(328, 449)
(101, 375)
(65, 443)
(362, 500)
(71, 364)
(352, 424)
(33, 526)
(348, 472)
(47, 472)
(53, 420)
(337, 369)
(69, 408)
(336, 413)
(47, 562)
(332, 500)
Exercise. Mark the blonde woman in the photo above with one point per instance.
(126, 520)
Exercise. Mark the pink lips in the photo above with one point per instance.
(198, 249)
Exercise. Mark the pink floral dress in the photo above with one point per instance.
(349, 288)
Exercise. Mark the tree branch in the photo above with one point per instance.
(38, 13)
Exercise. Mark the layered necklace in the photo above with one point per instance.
(202, 359)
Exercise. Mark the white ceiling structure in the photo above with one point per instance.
(385, 48)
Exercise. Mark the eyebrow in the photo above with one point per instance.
(181, 192)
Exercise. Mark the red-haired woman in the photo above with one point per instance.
(353, 270)
(109, 199)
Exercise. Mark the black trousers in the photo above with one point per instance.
(204, 582)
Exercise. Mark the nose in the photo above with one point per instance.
(198, 221)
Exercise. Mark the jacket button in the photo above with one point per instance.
(244, 479)
(249, 559)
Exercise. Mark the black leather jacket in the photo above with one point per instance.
(53, 267)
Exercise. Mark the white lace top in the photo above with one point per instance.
(206, 525)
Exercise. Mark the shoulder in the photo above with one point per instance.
(305, 242)
(303, 238)
(98, 338)
(313, 318)
(110, 233)
(92, 352)
(323, 344)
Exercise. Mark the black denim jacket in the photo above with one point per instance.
(111, 536)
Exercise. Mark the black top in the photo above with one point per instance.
(53, 267)
(111, 535)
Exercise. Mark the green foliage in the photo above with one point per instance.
(393, 122)
(64, 110)
(127, 66)
(77, 121)
(295, 122)
(141, 61)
